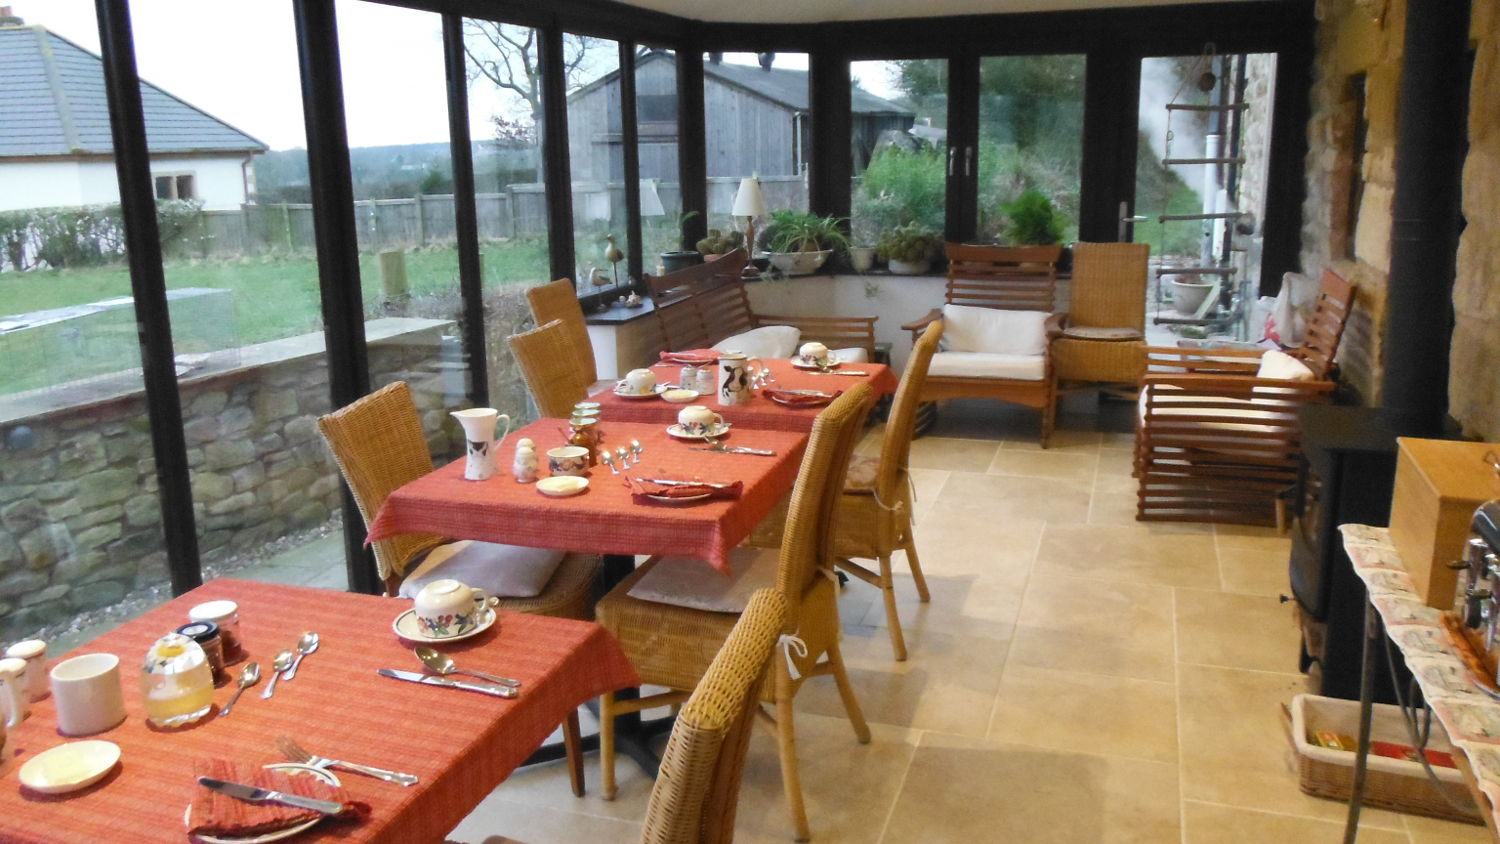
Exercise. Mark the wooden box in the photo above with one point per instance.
(1438, 485)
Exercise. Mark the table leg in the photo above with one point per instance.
(1373, 633)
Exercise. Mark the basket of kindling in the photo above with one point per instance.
(1324, 732)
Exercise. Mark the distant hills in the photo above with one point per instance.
(394, 172)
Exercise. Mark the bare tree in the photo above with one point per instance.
(507, 55)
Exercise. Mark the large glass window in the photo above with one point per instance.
(758, 123)
(656, 124)
(596, 159)
(899, 111)
(1030, 148)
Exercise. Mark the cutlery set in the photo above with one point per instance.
(283, 667)
(623, 458)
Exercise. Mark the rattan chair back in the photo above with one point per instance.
(900, 424)
(694, 797)
(807, 538)
(559, 300)
(553, 377)
(1109, 285)
(378, 444)
(1017, 278)
(1326, 327)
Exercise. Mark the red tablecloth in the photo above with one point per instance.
(461, 744)
(760, 412)
(603, 519)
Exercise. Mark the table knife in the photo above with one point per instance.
(841, 372)
(737, 449)
(429, 679)
(670, 482)
(252, 794)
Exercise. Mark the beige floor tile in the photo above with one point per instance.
(1432, 831)
(963, 790)
(927, 483)
(947, 683)
(1078, 467)
(1080, 624)
(1041, 707)
(953, 454)
(1064, 441)
(1117, 441)
(1211, 824)
(497, 820)
(1117, 463)
(1233, 747)
(962, 604)
(1007, 498)
(957, 540)
(1128, 552)
(1236, 631)
(1254, 571)
(1250, 536)
(1114, 506)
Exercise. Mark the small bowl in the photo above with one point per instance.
(69, 767)
(680, 396)
(562, 486)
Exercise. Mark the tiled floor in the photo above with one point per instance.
(1078, 677)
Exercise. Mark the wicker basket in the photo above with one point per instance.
(1393, 784)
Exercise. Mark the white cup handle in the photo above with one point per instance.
(718, 421)
(481, 600)
(500, 439)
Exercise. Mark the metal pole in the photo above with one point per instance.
(148, 287)
(558, 177)
(630, 143)
(465, 215)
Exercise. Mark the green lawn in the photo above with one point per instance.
(274, 297)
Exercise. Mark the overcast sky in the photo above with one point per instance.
(237, 60)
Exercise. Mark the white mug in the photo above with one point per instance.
(86, 690)
(813, 352)
(449, 608)
(34, 651)
(735, 372)
(638, 382)
(696, 419)
(14, 702)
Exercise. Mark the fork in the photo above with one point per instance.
(293, 751)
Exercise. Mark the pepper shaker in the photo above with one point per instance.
(704, 382)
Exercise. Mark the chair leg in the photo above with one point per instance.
(1049, 419)
(892, 619)
(846, 692)
(791, 781)
(910, 546)
(574, 746)
(607, 745)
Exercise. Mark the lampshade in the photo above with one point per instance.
(748, 201)
(650, 199)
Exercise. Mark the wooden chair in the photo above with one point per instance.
(378, 444)
(1007, 279)
(1215, 441)
(548, 367)
(694, 797)
(1103, 339)
(671, 637)
(558, 300)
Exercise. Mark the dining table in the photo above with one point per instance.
(459, 744)
(758, 411)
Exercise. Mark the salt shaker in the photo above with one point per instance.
(687, 377)
(525, 466)
(14, 701)
(704, 382)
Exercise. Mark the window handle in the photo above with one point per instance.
(968, 161)
(952, 152)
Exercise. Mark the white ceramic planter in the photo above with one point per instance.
(862, 258)
(799, 263)
(904, 268)
(1188, 296)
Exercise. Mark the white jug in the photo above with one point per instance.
(479, 431)
(734, 379)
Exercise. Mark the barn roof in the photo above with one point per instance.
(53, 99)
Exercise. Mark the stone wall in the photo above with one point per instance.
(80, 522)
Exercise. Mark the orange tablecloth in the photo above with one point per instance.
(760, 412)
(603, 519)
(461, 744)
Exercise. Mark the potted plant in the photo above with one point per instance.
(800, 241)
(909, 249)
(718, 244)
(684, 257)
(1031, 220)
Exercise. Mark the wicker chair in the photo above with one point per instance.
(694, 797)
(558, 300)
(1216, 442)
(1006, 279)
(378, 444)
(1103, 340)
(671, 643)
(548, 366)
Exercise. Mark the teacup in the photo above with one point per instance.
(813, 352)
(638, 382)
(568, 460)
(698, 420)
(449, 608)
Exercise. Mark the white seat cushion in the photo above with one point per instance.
(981, 365)
(1283, 367)
(502, 571)
(768, 341)
(994, 331)
(854, 355)
(686, 582)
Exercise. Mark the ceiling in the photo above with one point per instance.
(815, 11)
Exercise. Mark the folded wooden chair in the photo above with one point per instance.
(549, 368)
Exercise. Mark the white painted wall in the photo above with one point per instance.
(46, 184)
(221, 181)
(39, 184)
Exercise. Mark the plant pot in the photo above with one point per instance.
(862, 258)
(673, 261)
(908, 267)
(1188, 296)
(799, 263)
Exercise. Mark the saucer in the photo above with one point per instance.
(679, 433)
(562, 486)
(802, 364)
(69, 767)
(280, 834)
(655, 391)
(680, 396)
(409, 628)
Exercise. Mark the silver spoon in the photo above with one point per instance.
(441, 663)
(281, 662)
(305, 645)
(635, 450)
(622, 454)
(249, 676)
(607, 460)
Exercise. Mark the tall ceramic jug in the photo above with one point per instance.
(734, 379)
(479, 431)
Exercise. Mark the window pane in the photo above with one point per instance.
(900, 114)
(596, 157)
(756, 105)
(81, 542)
(1030, 139)
(656, 122)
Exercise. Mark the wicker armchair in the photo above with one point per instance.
(378, 444)
(1103, 340)
(549, 366)
(671, 642)
(558, 300)
(1216, 442)
(694, 797)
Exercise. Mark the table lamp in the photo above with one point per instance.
(750, 203)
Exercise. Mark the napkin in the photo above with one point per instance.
(726, 491)
(792, 398)
(220, 815)
(692, 357)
